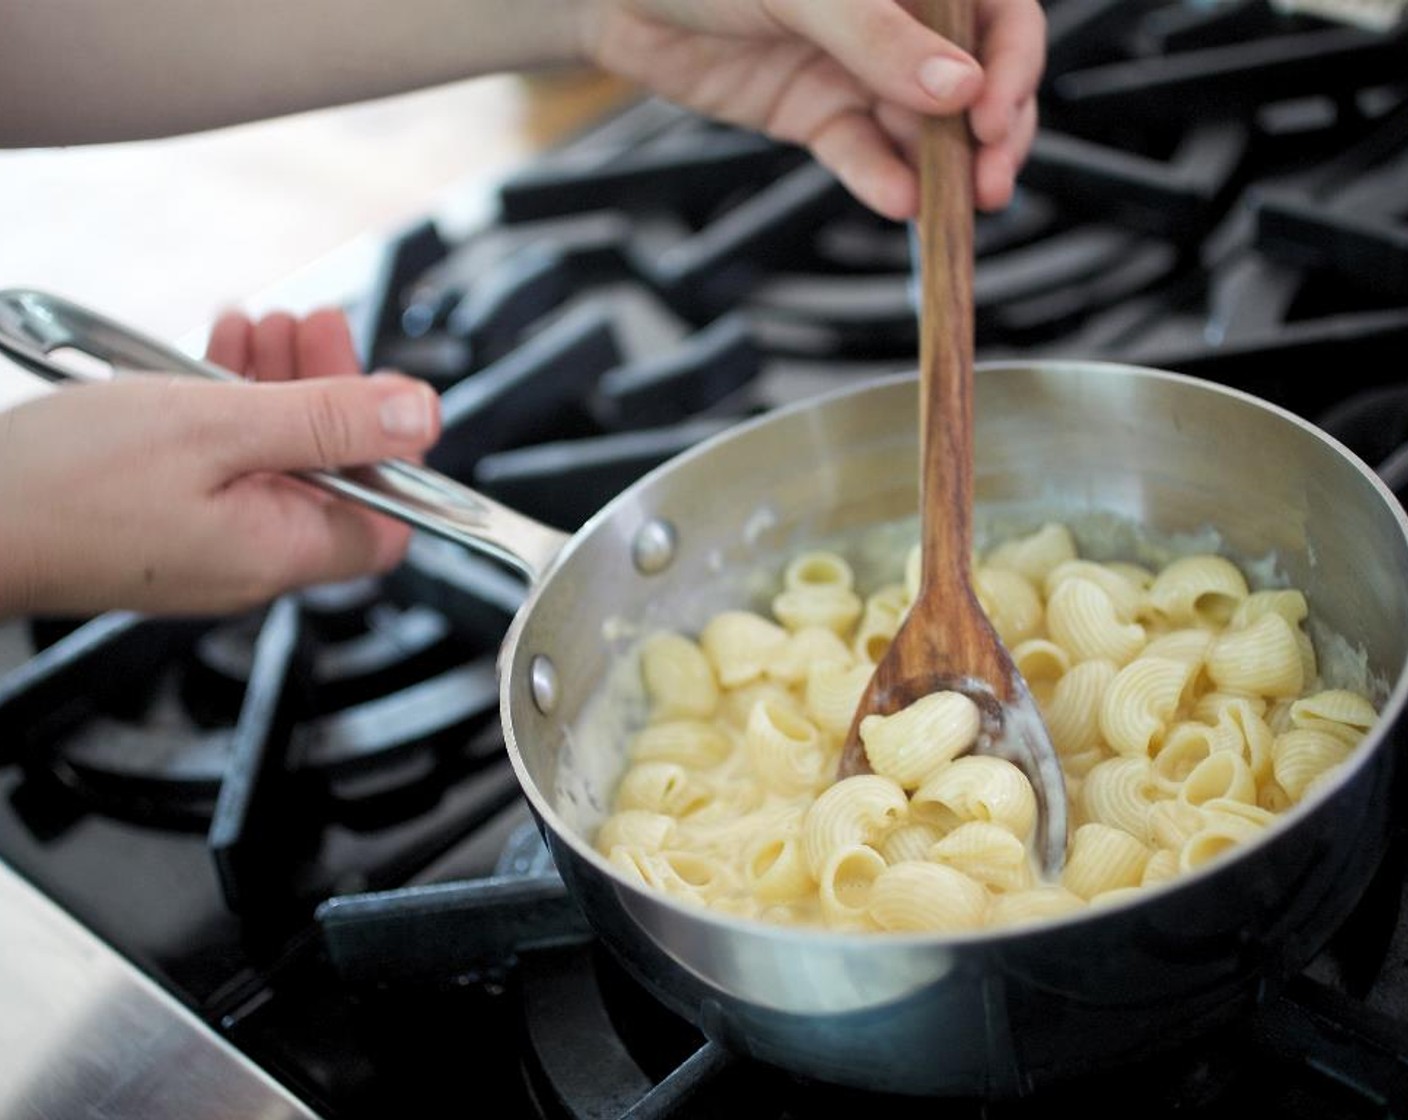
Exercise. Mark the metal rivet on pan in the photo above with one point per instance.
(542, 682)
(654, 547)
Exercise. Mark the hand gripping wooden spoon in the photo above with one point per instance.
(946, 642)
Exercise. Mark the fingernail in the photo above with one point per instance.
(408, 414)
(943, 77)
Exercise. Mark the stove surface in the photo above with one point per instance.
(300, 823)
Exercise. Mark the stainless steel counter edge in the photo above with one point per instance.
(86, 1034)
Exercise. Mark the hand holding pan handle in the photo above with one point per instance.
(37, 330)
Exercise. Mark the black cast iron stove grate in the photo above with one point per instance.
(302, 821)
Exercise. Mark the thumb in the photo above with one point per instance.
(890, 50)
(325, 422)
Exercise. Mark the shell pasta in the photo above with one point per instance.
(1188, 710)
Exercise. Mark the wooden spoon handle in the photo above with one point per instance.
(945, 236)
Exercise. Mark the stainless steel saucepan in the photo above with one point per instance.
(1098, 446)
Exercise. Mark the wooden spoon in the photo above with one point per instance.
(946, 642)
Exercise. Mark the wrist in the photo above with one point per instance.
(18, 585)
(530, 35)
(588, 16)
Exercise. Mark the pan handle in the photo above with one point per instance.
(61, 341)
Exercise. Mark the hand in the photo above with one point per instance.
(155, 493)
(849, 79)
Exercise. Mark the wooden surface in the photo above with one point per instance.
(167, 233)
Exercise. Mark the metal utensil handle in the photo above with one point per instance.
(35, 326)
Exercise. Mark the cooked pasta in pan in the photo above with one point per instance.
(1188, 711)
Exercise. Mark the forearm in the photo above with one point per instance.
(93, 71)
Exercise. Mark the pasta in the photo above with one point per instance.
(977, 788)
(918, 741)
(1187, 710)
(1202, 589)
(1120, 792)
(678, 676)
(931, 896)
(1139, 705)
(1263, 659)
(786, 748)
(740, 645)
(1010, 602)
(775, 866)
(1085, 622)
(859, 810)
(986, 852)
(1103, 858)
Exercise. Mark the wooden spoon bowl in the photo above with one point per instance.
(946, 642)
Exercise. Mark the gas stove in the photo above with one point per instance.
(296, 831)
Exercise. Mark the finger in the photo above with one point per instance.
(333, 541)
(306, 425)
(346, 543)
(863, 158)
(324, 346)
(274, 357)
(294, 538)
(229, 343)
(889, 50)
(828, 111)
(996, 166)
(417, 456)
(904, 127)
(1012, 34)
